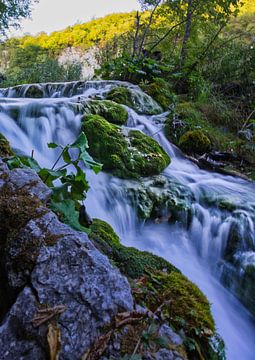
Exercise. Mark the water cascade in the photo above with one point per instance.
(220, 209)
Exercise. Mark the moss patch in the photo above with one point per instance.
(110, 110)
(160, 287)
(195, 142)
(5, 149)
(135, 99)
(127, 156)
(120, 95)
(161, 91)
(131, 262)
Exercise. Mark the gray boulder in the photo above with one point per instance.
(47, 265)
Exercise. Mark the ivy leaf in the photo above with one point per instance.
(21, 162)
(66, 156)
(82, 144)
(48, 175)
(89, 162)
(52, 145)
(68, 213)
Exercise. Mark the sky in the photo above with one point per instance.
(51, 15)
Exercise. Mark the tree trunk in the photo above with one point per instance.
(187, 32)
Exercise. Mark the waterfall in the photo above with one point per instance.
(198, 249)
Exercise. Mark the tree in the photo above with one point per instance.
(190, 12)
(11, 11)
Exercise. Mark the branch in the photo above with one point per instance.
(148, 27)
(166, 34)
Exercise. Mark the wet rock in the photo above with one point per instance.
(164, 354)
(111, 111)
(5, 149)
(134, 98)
(168, 333)
(246, 134)
(47, 264)
(34, 91)
(162, 199)
(127, 154)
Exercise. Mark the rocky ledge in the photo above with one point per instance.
(61, 298)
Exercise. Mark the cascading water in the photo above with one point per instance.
(197, 249)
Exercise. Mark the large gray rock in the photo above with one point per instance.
(47, 264)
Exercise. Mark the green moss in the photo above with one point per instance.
(135, 99)
(161, 287)
(131, 262)
(121, 95)
(161, 91)
(111, 111)
(195, 142)
(190, 118)
(128, 156)
(5, 149)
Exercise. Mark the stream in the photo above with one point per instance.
(197, 250)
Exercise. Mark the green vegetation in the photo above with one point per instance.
(68, 188)
(164, 290)
(126, 156)
(12, 11)
(111, 111)
(131, 262)
(5, 149)
(194, 142)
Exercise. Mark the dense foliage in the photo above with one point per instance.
(11, 11)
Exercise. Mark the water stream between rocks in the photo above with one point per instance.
(198, 249)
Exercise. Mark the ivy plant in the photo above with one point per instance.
(66, 178)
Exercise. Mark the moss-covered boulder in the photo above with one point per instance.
(195, 142)
(127, 155)
(131, 262)
(111, 111)
(5, 149)
(161, 288)
(161, 91)
(135, 99)
(161, 199)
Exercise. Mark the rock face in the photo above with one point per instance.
(47, 265)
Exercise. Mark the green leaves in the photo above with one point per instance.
(22, 162)
(69, 214)
(68, 186)
(73, 185)
(82, 144)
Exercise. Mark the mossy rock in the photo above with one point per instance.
(131, 262)
(111, 111)
(195, 142)
(128, 156)
(184, 307)
(5, 149)
(161, 91)
(159, 285)
(161, 198)
(34, 91)
(135, 99)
